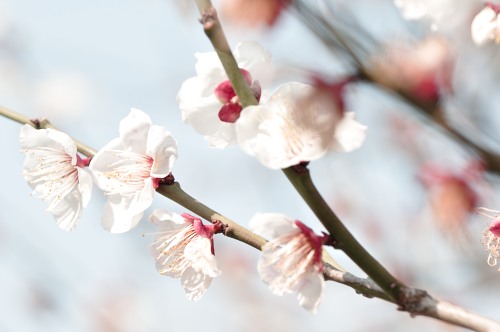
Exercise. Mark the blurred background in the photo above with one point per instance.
(408, 194)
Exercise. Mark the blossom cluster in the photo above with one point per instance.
(294, 123)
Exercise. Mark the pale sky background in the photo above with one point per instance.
(83, 65)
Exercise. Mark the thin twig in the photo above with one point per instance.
(43, 124)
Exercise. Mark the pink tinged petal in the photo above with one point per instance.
(349, 134)
(51, 171)
(495, 227)
(117, 171)
(198, 252)
(310, 291)
(195, 283)
(163, 149)
(134, 131)
(288, 128)
(32, 138)
(272, 225)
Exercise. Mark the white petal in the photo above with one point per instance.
(268, 271)
(252, 57)
(115, 217)
(200, 108)
(163, 149)
(195, 283)
(208, 66)
(68, 211)
(168, 220)
(483, 27)
(101, 164)
(310, 291)
(134, 131)
(198, 251)
(288, 129)
(349, 134)
(272, 225)
(32, 138)
(84, 185)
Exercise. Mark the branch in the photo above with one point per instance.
(338, 35)
(43, 124)
(366, 287)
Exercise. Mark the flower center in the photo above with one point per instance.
(130, 171)
(231, 109)
(54, 176)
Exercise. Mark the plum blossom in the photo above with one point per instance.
(129, 169)
(184, 249)
(491, 235)
(208, 101)
(291, 261)
(294, 126)
(55, 172)
(452, 195)
(254, 12)
(486, 25)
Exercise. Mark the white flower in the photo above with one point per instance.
(56, 173)
(208, 102)
(486, 26)
(128, 169)
(291, 261)
(293, 126)
(184, 249)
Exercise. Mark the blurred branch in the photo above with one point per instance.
(341, 35)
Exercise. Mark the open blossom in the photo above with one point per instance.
(184, 249)
(291, 261)
(486, 25)
(208, 101)
(420, 70)
(128, 169)
(292, 126)
(55, 172)
(491, 235)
